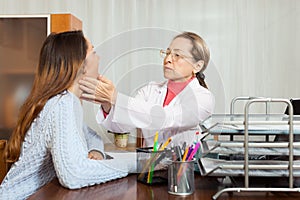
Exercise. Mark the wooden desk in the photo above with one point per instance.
(129, 188)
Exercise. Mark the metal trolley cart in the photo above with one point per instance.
(253, 155)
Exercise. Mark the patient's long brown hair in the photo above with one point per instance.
(61, 57)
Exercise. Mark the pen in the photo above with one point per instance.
(172, 174)
(160, 145)
(178, 153)
(160, 157)
(173, 153)
(183, 147)
(189, 152)
(194, 151)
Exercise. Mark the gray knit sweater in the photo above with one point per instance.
(57, 145)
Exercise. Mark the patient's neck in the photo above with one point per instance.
(75, 89)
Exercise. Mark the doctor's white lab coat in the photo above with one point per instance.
(180, 119)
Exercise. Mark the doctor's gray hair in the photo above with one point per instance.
(199, 52)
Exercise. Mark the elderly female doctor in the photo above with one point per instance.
(173, 108)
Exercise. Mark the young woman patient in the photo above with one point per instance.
(50, 139)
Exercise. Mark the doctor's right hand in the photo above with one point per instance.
(100, 90)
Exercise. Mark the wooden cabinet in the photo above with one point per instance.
(64, 22)
(21, 38)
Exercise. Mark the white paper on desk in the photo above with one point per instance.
(129, 157)
(123, 155)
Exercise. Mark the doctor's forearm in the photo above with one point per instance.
(106, 107)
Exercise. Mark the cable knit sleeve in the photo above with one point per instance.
(94, 141)
(69, 150)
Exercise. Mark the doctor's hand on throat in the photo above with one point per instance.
(100, 90)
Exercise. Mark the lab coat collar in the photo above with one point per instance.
(189, 88)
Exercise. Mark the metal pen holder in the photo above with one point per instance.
(181, 178)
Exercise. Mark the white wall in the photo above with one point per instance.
(253, 43)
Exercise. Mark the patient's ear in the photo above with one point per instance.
(198, 66)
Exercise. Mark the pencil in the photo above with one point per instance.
(165, 144)
(185, 154)
(183, 159)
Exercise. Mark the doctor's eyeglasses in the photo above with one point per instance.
(175, 54)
